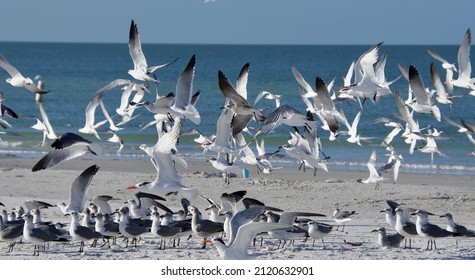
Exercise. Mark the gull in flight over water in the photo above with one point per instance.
(464, 66)
(66, 147)
(17, 79)
(141, 70)
(167, 180)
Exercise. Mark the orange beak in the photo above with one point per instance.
(132, 187)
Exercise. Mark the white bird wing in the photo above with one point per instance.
(184, 86)
(223, 128)
(113, 84)
(260, 147)
(354, 124)
(349, 75)
(323, 96)
(241, 83)
(463, 57)
(112, 125)
(437, 56)
(102, 202)
(80, 187)
(439, 87)
(50, 131)
(260, 95)
(397, 164)
(241, 218)
(379, 69)
(371, 165)
(248, 231)
(405, 114)
(301, 81)
(135, 48)
(8, 67)
(167, 141)
(364, 64)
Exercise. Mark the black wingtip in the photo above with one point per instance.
(412, 72)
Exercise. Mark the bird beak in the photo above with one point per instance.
(429, 213)
(132, 187)
(374, 230)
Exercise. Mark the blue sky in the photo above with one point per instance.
(239, 21)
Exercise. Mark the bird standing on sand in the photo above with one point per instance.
(342, 217)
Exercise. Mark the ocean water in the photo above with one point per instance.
(74, 72)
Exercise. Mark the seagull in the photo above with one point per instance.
(223, 136)
(108, 229)
(443, 96)
(342, 217)
(183, 105)
(449, 68)
(428, 230)
(388, 240)
(375, 175)
(141, 70)
(270, 96)
(224, 166)
(353, 131)
(366, 83)
(318, 230)
(464, 66)
(17, 79)
(167, 181)
(161, 231)
(79, 189)
(125, 109)
(241, 104)
(131, 228)
(456, 228)
(81, 233)
(140, 207)
(66, 147)
(38, 236)
(11, 233)
(202, 227)
(44, 125)
(323, 105)
(391, 212)
(423, 102)
(404, 226)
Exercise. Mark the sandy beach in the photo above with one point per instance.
(286, 188)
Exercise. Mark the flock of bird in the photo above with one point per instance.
(364, 81)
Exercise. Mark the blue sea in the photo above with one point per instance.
(73, 73)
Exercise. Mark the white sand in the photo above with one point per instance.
(287, 188)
